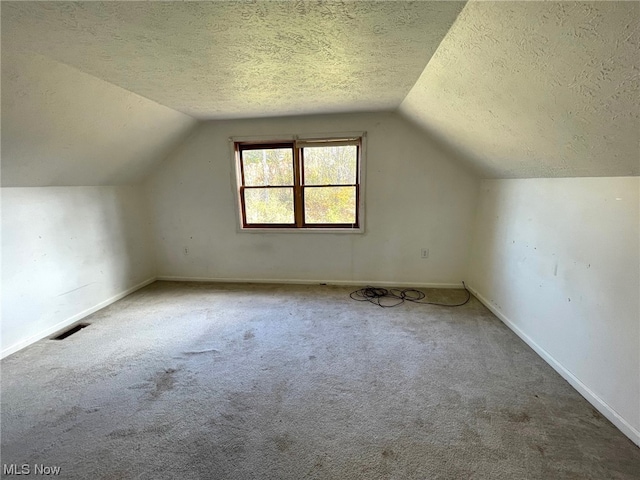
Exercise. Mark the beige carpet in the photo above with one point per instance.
(211, 381)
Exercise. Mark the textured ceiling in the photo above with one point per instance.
(520, 89)
(241, 59)
(537, 89)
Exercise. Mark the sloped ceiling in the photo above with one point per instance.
(537, 89)
(62, 127)
(97, 93)
(219, 59)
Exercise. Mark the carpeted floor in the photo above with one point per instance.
(228, 381)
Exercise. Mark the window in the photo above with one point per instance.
(300, 184)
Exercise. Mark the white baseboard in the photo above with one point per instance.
(79, 316)
(585, 391)
(298, 281)
(71, 320)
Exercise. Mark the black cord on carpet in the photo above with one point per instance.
(396, 296)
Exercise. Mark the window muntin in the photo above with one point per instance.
(300, 184)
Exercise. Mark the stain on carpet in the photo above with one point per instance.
(521, 417)
(163, 381)
(389, 454)
(122, 433)
(249, 334)
(213, 351)
(283, 442)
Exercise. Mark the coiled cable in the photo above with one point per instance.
(393, 297)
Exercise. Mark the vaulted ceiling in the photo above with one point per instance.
(61, 126)
(537, 89)
(99, 92)
(241, 59)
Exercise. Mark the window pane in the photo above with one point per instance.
(330, 165)
(330, 205)
(269, 205)
(269, 166)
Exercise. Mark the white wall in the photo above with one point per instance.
(559, 261)
(66, 251)
(415, 197)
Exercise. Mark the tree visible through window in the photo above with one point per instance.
(300, 184)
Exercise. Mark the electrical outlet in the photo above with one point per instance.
(424, 253)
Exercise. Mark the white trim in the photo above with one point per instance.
(73, 319)
(599, 404)
(329, 135)
(235, 181)
(585, 391)
(271, 231)
(288, 137)
(299, 281)
(363, 181)
(329, 142)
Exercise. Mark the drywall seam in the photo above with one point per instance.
(585, 391)
(69, 321)
(297, 281)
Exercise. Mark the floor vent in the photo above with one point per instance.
(71, 331)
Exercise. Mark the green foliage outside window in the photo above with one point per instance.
(329, 174)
